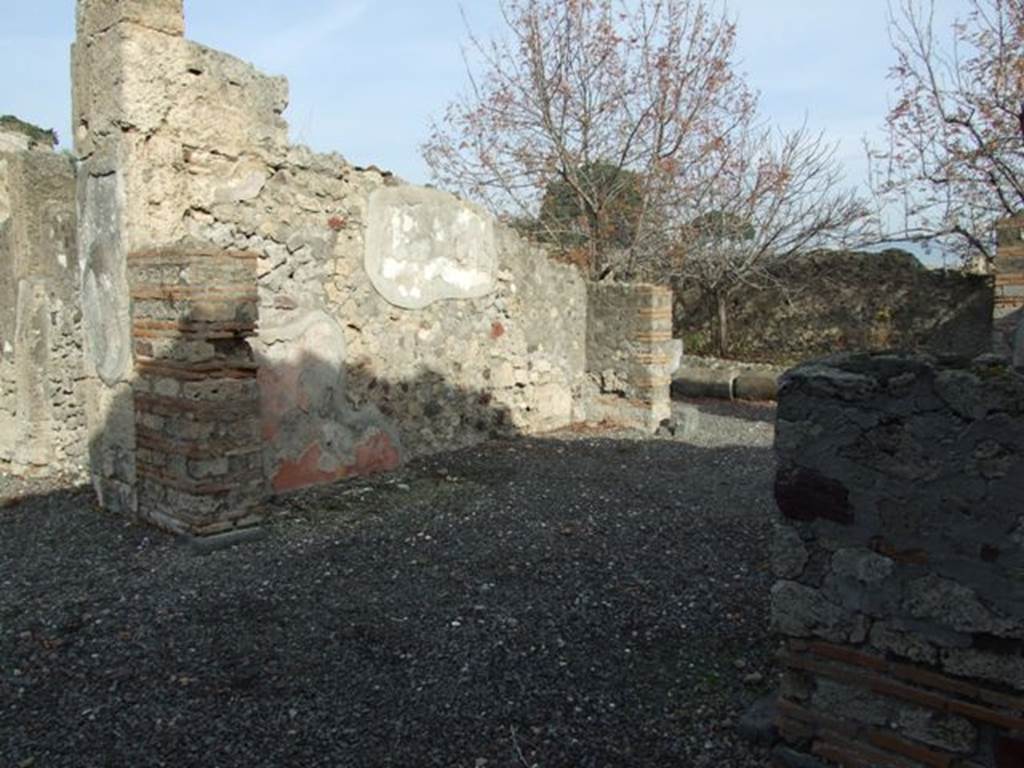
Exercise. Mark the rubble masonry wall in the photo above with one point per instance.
(1008, 313)
(900, 559)
(42, 386)
(394, 320)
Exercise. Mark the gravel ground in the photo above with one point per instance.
(582, 599)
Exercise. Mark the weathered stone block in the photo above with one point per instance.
(631, 353)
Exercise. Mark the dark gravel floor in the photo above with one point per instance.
(580, 600)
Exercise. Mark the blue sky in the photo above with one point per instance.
(366, 75)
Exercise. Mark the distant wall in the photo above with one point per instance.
(42, 389)
(833, 302)
(900, 558)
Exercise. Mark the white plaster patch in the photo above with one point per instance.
(423, 245)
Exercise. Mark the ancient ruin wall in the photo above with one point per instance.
(42, 422)
(631, 354)
(900, 558)
(846, 301)
(374, 342)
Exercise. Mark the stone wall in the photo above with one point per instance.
(900, 558)
(394, 320)
(631, 354)
(42, 389)
(846, 301)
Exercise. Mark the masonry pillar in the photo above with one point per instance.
(196, 398)
(126, 54)
(1009, 267)
(41, 397)
(631, 354)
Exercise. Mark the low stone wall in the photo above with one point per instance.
(197, 406)
(829, 302)
(900, 559)
(631, 353)
(42, 387)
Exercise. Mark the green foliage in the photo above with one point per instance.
(608, 212)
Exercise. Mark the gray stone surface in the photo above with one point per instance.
(800, 611)
(948, 732)
(105, 302)
(756, 386)
(208, 545)
(423, 245)
(899, 479)
(789, 554)
(703, 382)
(790, 758)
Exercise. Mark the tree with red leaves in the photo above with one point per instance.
(619, 128)
(954, 164)
(639, 87)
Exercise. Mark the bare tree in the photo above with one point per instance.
(954, 163)
(621, 126)
(639, 86)
(763, 198)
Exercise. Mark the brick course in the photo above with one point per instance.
(197, 407)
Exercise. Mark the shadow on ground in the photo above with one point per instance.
(572, 601)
